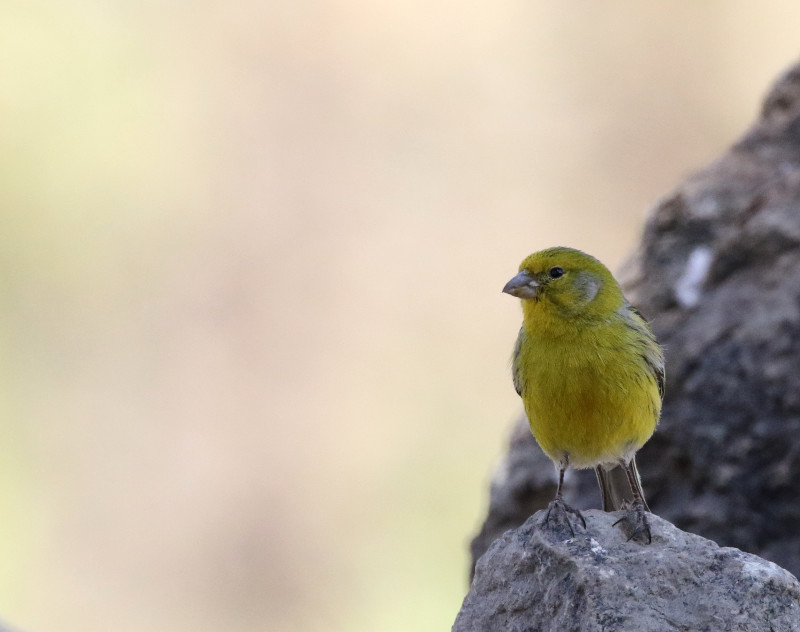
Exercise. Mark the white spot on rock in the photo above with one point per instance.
(763, 570)
(501, 474)
(596, 547)
(689, 286)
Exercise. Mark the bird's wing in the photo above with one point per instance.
(516, 370)
(651, 350)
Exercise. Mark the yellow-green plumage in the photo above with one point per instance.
(586, 364)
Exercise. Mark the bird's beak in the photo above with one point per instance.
(523, 286)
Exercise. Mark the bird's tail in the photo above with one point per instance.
(616, 488)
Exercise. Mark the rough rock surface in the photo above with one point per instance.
(718, 274)
(541, 578)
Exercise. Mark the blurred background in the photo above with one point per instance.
(253, 351)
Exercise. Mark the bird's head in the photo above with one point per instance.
(567, 283)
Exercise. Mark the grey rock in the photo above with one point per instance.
(523, 483)
(540, 578)
(718, 274)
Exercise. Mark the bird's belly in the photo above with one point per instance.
(591, 416)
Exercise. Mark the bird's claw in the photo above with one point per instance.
(559, 505)
(642, 523)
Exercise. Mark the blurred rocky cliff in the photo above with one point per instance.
(718, 274)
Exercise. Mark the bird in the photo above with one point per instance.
(590, 373)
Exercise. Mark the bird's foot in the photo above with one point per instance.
(558, 506)
(642, 525)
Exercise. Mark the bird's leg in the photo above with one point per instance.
(639, 505)
(558, 502)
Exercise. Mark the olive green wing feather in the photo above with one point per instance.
(651, 351)
(516, 369)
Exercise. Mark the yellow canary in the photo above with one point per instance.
(589, 370)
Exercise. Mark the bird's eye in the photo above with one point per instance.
(556, 272)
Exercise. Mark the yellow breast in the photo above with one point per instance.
(589, 395)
